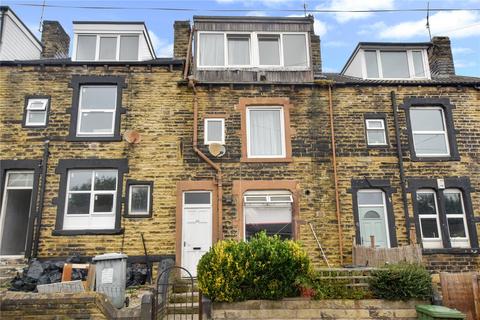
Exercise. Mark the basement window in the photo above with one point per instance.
(269, 211)
(36, 112)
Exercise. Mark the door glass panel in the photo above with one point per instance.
(426, 203)
(103, 203)
(370, 198)
(78, 203)
(197, 197)
(456, 228)
(106, 180)
(372, 214)
(453, 203)
(15, 221)
(20, 179)
(80, 180)
(429, 228)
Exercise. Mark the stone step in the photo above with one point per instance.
(184, 297)
(10, 270)
(184, 287)
(5, 281)
(12, 261)
(185, 316)
(182, 308)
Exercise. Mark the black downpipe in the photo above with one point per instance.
(46, 154)
(400, 164)
(147, 261)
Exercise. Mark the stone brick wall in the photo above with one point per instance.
(161, 110)
(55, 40)
(22, 305)
(310, 309)
(441, 58)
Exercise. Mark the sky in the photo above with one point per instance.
(339, 32)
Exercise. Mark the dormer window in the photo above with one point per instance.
(395, 64)
(253, 50)
(109, 41)
(107, 47)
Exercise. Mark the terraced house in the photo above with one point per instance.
(239, 131)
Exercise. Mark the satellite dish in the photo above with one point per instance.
(216, 149)
(132, 136)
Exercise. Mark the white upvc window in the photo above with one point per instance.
(106, 47)
(266, 50)
(36, 113)
(456, 220)
(90, 199)
(269, 211)
(214, 130)
(429, 131)
(427, 211)
(376, 135)
(395, 64)
(265, 132)
(139, 200)
(96, 110)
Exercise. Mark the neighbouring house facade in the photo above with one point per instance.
(240, 131)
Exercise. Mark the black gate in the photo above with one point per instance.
(174, 297)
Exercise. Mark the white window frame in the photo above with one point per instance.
(367, 127)
(265, 203)
(282, 131)
(205, 131)
(130, 194)
(384, 206)
(410, 66)
(92, 193)
(83, 110)
(444, 132)
(97, 45)
(458, 242)
(254, 53)
(430, 243)
(44, 108)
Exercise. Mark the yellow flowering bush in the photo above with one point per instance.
(263, 268)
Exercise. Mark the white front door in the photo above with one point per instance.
(372, 215)
(196, 228)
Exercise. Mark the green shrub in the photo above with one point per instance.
(263, 268)
(401, 281)
(338, 289)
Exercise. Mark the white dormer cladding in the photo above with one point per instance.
(389, 61)
(111, 41)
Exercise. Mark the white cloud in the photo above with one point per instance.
(162, 47)
(356, 5)
(455, 24)
(320, 27)
(34, 28)
(372, 28)
(462, 64)
(328, 69)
